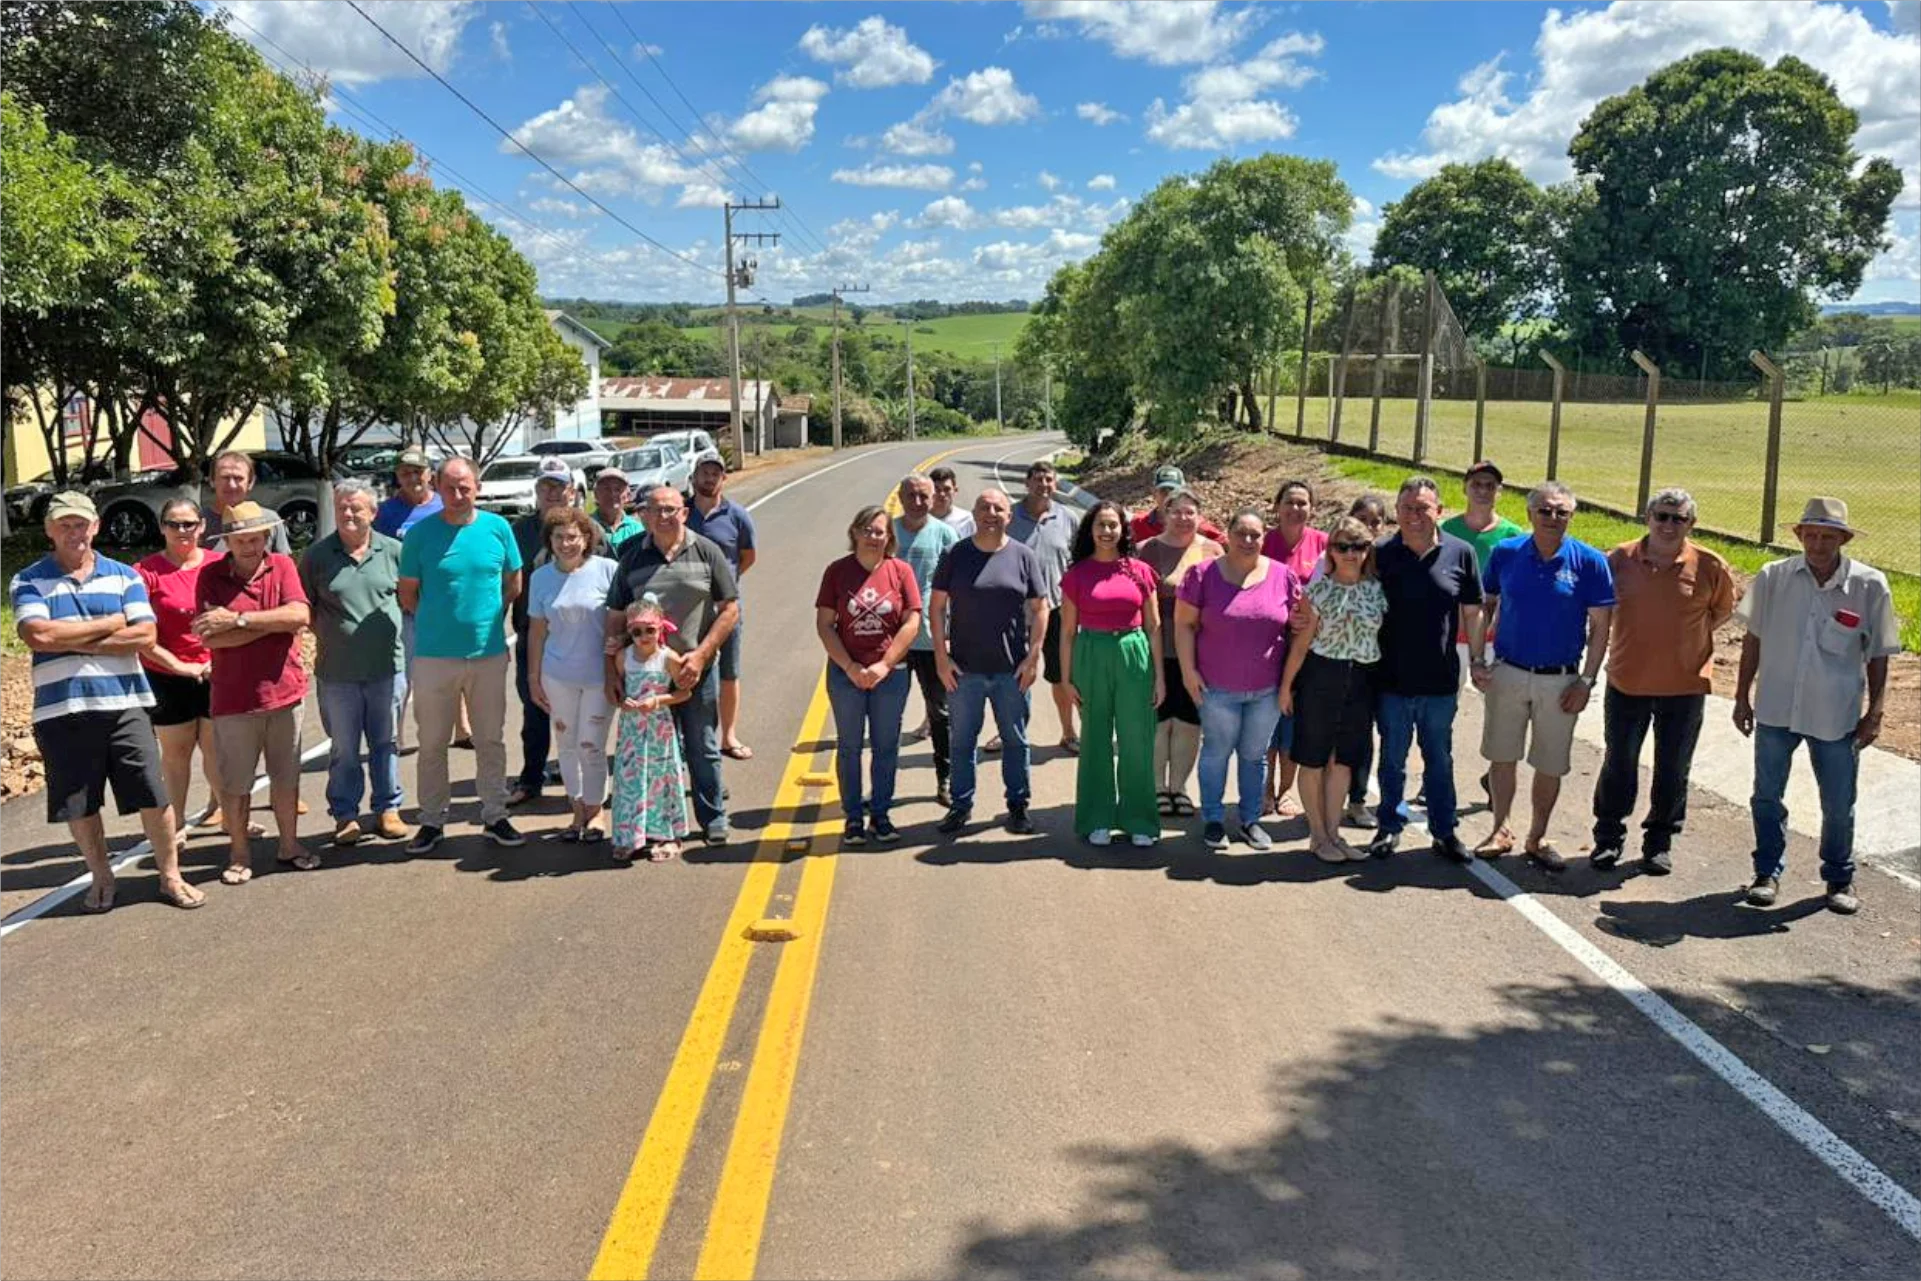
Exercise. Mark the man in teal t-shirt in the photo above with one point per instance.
(923, 540)
(459, 572)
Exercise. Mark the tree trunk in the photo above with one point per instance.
(1253, 403)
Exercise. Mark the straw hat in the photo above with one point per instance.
(246, 518)
(1826, 513)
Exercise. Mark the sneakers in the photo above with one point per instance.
(1214, 836)
(944, 796)
(1451, 847)
(1764, 891)
(1358, 815)
(958, 817)
(390, 827)
(1017, 821)
(347, 832)
(883, 832)
(1384, 845)
(854, 834)
(1657, 862)
(1141, 841)
(501, 832)
(424, 840)
(1102, 837)
(1255, 837)
(1605, 858)
(1841, 899)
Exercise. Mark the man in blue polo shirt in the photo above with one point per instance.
(1553, 597)
(726, 524)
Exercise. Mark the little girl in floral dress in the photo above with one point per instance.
(650, 805)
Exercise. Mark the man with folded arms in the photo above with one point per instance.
(86, 618)
(1821, 628)
(1670, 595)
(1553, 598)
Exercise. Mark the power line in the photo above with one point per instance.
(531, 154)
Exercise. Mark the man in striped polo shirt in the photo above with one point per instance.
(86, 618)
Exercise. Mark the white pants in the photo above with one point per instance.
(580, 717)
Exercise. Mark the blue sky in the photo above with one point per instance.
(968, 150)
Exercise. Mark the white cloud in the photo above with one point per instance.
(1099, 113)
(872, 54)
(985, 97)
(497, 39)
(1905, 16)
(1101, 182)
(785, 120)
(1362, 232)
(701, 195)
(909, 138)
(566, 208)
(949, 211)
(976, 183)
(607, 155)
(1902, 261)
(1048, 181)
(349, 51)
(648, 51)
(1015, 256)
(1165, 32)
(1224, 107)
(918, 177)
(1583, 57)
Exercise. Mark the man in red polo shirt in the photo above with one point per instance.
(251, 611)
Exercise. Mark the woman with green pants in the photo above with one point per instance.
(1112, 672)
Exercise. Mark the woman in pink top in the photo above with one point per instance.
(1112, 672)
(1298, 545)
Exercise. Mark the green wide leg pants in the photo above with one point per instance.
(1114, 672)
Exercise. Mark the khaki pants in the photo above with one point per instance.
(240, 741)
(438, 686)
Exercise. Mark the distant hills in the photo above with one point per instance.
(1873, 308)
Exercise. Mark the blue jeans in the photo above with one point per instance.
(967, 711)
(353, 710)
(698, 720)
(536, 730)
(1834, 764)
(1239, 725)
(872, 715)
(1430, 719)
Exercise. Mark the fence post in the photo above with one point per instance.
(1653, 371)
(1554, 415)
(1424, 380)
(1480, 410)
(1771, 485)
(1300, 387)
(1340, 378)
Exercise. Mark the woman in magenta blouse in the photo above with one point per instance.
(1112, 672)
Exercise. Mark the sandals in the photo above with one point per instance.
(738, 752)
(305, 861)
(1499, 842)
(99, 898)
(236, 874)
(183, 896)
(663, 852)
(571, 835)
(1164, 804)
(591, 836)
(1183, 808)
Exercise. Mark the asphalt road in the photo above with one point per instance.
(998, 1056)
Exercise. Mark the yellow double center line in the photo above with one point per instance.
(731, 1246)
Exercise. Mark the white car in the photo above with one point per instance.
(585, 456)
(649, 466)
(693, 444)
(507, 485)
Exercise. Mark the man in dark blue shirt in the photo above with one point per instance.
(724, 522)
(1554, 599)
(1433, 587)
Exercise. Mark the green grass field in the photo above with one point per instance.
(1863, 448)
(970, 336)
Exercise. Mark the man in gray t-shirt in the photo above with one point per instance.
(1048, 528)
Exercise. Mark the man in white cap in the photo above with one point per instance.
(1821, 627)
(86, 618)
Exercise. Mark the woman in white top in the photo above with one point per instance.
(566, 654)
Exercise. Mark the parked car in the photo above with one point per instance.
(507, 485)
(282, 482)
(693, 443)
(27, 501)
(651, 466)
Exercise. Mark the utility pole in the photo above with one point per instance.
(911, 433)
(998, 424)
(1047, 397)
(736, 277)
(838, 291)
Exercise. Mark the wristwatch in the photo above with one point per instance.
(240, 621)
(1587, 682)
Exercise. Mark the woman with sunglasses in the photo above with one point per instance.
(1371, 511)
(566, 668)
(1179, 547)
(178, 664)
(1230, 631)
(650, 807)
(1111, 668)
(1328, 686)
(867, 614)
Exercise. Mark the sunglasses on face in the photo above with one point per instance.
(182, 526)
(1554, 513)
(1669, 518)
(643, 631)
(1349, 547)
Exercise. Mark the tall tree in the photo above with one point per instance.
(1483, 230)
(1724, 201)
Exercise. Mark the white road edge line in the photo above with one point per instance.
(55, 897)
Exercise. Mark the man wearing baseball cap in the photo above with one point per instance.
(1480, 526)
(610, 510)
(413, 501)
(86, 618)
(1153, 522)
(726, 524)
(1821, 628)
(553, 487)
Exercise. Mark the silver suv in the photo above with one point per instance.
(282, 482)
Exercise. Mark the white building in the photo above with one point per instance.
(581, 421)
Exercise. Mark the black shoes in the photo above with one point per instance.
(855, 834)
(958, 817)
(1017, 821)
(884, 832)
(1657, 862)
(1450, 847)
(1214, 836)
(1841, 899)
(501, 832)
(1386, 843)
(944, 796)
(424, 840)
(1605, 858)
(1764, 891)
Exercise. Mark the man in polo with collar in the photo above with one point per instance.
(1553, 598)
(1821, 628)
(1670, 596)
(86, 618)
(610, 510)
(1168, 481)
(1047, 529)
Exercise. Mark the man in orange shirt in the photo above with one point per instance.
(1670, 596)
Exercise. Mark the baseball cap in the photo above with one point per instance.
(413, 458)
(1487, 468)
(713, 456)
(615, 472)
(554, 469)
(1170, 478)
(72, 503)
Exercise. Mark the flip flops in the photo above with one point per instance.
(183, 896)
(235, 874)
(738, 752)
(99, 898)
(305, 861)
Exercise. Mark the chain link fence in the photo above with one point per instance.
(1388, 371)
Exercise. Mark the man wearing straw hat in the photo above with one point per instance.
(1821, 627)
(252, 609)
(86, 618)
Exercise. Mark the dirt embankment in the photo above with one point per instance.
(1245, 472)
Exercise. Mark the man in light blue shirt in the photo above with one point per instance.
(922, 541)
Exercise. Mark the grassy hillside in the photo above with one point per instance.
(971, 336)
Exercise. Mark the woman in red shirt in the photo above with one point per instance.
(867, 613)
(1113, 672)
(178, 662)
